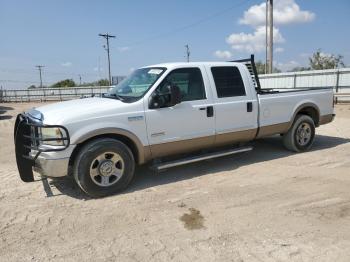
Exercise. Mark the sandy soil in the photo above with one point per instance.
(265, 205)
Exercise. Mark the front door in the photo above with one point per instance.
(188, 126)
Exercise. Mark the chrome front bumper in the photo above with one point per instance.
(53, 164)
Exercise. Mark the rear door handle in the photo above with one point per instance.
(249, 107)
(210, 111)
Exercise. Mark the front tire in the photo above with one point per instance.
(300, 136)
(104, 167)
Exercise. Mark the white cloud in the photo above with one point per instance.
(279, 49)
(284, 12)
(98, 69)
(66, 64)
(253, 42)
(305, 55)
(123, 49)
(223, 54)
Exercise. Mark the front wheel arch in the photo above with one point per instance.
(124, 139)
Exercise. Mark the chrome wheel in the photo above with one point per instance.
(303, 134)
(107, 169)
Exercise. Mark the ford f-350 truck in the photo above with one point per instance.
(167, 114)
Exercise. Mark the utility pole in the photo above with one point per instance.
(266, 42)
(41, 80)
(188, 53)
(80, 80)
(107, 36)
(269, 28)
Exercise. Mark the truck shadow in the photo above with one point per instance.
(3, 110)
(264, 150)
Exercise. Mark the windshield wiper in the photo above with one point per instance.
(113, 96)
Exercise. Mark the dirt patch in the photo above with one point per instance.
(194, 220)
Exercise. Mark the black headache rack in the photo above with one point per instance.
(250, 64)
(28, 138)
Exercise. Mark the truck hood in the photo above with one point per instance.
(76, 110)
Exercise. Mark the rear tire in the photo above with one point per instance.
(104, 167)
(300, 136)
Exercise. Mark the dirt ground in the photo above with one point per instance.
(265, 205)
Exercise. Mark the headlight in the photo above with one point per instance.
(52, 136)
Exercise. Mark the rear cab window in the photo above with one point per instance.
(228, 81)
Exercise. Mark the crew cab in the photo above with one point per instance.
(166, 114)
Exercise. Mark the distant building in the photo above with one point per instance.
(117, 79)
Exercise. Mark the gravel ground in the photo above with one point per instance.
(264, 205)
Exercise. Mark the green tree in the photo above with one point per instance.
(319, 61)
(260, 67)
(300, 68)
(65, 83)
(32, 87)
(102, 82)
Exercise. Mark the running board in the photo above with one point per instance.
(184, 161)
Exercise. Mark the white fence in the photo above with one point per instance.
(338, 79)
(50, 94)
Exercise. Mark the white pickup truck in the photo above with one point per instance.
(168, 114)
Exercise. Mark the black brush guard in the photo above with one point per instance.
(27, 138)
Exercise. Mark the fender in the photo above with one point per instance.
(143, 152)
(303, 106)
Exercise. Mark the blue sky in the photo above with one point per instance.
(63, 35)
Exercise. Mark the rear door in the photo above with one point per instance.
(235, 104)
(187, 126)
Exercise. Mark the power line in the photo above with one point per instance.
(185, 27)
(107, 36)
(27, 71)
(20, 81)
(41, 80)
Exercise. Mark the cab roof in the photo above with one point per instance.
(192, 64)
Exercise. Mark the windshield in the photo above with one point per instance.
(137, 84)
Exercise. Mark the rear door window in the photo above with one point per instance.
(228, 81)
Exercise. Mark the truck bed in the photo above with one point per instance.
(277, 106)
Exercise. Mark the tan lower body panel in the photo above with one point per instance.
(183, 146)
(235, 137)
(273, 129)
(325, 119)
(191, 145)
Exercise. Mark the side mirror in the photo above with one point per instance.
(171, 97)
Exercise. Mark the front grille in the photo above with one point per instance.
(28, 139)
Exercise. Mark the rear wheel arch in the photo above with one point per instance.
(309, 109)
